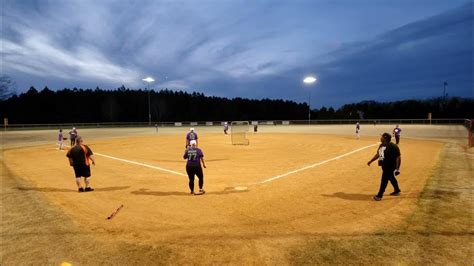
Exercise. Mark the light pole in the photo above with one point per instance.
(444, 91)
(309, 80)
(149, 80)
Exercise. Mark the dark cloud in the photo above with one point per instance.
(359, 50)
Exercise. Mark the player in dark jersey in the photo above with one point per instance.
(72, 136)
(80, 156)
(191, 136)
(194, 157)
(396, 132)
(357, 130)
(389, 157)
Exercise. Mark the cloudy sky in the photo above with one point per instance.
(359, 50)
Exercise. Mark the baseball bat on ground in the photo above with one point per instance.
(115, 212)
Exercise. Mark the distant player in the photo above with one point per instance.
(60, 139)
(194, 157)
(255, 128)
(389, 157)
(72, 136)
(226, 127)
(80, 156)
(357, 130)
(156, 127)
(396, 132)
(191, 136)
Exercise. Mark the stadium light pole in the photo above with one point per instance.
(148, 80)
(309, 80)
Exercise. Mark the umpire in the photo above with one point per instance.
(390, 159)
(80, 157)
(194, 157)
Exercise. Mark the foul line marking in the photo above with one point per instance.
(141, 164)
(316, 164)
(137, 163)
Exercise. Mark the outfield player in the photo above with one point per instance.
(389, 157)
(396, 132)
(226, 127)
(191, 136)
(72, 136)
(61, 139)
(357, 130)
(80, 156)
(194, 157)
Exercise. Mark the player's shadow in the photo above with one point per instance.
(53, 189)
(350, 196)
(145, 191)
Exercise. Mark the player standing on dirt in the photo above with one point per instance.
(80, 157)
(390, 159)
(194, 157)
(72, 136)
(191, 136)
(396, 132)
(357, 130)
(226, 127)
(60, 139)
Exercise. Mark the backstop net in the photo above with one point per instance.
(238, 133)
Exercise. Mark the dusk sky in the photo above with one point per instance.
(383, 50)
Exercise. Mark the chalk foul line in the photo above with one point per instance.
(316, 164)
(141, 164)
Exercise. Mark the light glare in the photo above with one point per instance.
(309, 80)
(148, 79)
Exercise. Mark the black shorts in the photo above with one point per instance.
(82, 170)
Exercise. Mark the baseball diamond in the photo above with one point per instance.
(323, 192)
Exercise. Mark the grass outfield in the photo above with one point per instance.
(313, 209)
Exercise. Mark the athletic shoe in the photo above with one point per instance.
(192, 193)
(395, 193)
(201, 191)
(80, 190)
(89, 189)
(377, 198)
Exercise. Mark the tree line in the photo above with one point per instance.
(125, 105)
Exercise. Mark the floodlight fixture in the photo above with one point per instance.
(148, 79)
(309, 80)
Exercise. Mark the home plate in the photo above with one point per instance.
(240, 188)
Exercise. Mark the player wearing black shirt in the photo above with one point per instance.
(389, 158)
(80, 156)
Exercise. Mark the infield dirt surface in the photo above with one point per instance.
(46, 220)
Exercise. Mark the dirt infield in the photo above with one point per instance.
(300, 184)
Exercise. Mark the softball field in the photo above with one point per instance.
(295, 195)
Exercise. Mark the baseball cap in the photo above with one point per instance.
(192, 142)
(387, 136)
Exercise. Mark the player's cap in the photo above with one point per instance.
(387, 136)
(73, 128)
(192, 142)
(192, 129)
